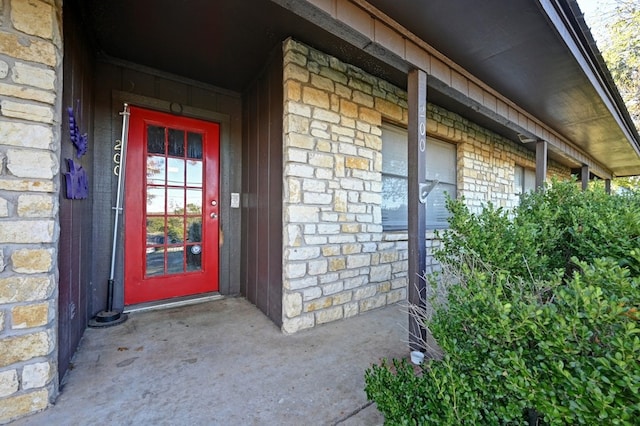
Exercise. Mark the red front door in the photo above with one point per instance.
(171, 207)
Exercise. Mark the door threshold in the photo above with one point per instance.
(172, 303)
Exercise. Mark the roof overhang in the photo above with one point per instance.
(540, 55)
(537, 55)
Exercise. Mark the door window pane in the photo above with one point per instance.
(194, 258)
(175, 260)
(175, 230)
(155, 140)
(194, 173)
(194, 146)
(155, 261)
(176, 143)
(175, 171)
(194, 230)
(194, 201)
(155, 200)
(175, 201)
(155, 231)
(156, 169)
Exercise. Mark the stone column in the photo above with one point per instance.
(30, 111)
(336, 261)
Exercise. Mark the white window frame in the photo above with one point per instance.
(395, 172)
(524, 180)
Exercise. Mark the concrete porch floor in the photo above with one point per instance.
(225, 363)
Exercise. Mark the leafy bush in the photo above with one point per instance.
(547, 230)
(541, 316)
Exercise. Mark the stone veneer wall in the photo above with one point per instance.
(30, 88)
(337, 260)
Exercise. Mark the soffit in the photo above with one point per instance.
(224, 42)
(514, 47)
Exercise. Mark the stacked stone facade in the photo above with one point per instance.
(486, 161)
(337, 260)
(30, 87)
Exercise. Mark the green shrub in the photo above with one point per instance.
(547, 231)
(541, 315)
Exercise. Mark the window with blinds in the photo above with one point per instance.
(441, 170)
(524, 180)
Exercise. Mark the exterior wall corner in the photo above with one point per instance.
(30, 119)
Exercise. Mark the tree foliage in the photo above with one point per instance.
(621, 51)
(618, 35)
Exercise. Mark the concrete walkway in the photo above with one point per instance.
(224, 363)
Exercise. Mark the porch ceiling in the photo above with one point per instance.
(224, 42)
(512, 45)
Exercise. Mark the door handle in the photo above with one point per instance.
(213, 215)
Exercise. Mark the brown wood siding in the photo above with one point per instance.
(132, 81)
(262, 186)
(74, 259)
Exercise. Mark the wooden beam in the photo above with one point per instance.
(607, 186)
(541, 164)
(417, 96)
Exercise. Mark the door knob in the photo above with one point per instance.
(213, 215)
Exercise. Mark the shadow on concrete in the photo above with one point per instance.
(224, 363)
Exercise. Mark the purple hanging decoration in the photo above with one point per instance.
(76, 180)
(78, 140)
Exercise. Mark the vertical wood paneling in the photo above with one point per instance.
(263, 195)
(75, 244)
(252, 195)
(106, 77)
(230, 181)
(275, 189)
(262, 160)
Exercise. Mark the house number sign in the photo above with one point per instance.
(117, 157)
(423, 127)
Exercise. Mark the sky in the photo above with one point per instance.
(589, 6)
(592, 9)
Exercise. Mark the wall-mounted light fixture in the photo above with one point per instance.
(525, 138)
